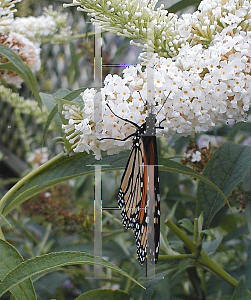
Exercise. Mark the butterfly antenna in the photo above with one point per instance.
(126, 120)
(142, 98)
(163, 103)
(145, 103)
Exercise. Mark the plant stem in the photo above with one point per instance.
(195, 232)
(1, 234)
(28, 177)
(42, 244)
(203, 258)
(181, 234)
(128, 282)
(210, 264)
(174, 257)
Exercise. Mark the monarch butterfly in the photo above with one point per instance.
(132, 196)
(133, 193)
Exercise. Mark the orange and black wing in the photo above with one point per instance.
(153, 235)
(133, 196)
(133, 188)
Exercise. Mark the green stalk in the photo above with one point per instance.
(203, 258)
(181, 234)
(195, 231)
(27, 178)
(174, 257)
(42, 244)
(128, 283)
(210, 264)
(1, 234)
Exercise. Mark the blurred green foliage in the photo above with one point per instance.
(61, 217)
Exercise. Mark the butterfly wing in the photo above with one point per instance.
(133, 196)
(153, 236)
(133, 189)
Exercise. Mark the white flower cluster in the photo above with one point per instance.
(212, 17)
(199, 89)
(51, 25)
(194, 155)
(207, 83)
(7, 9)
(24, 36)
(26, 50)
(136, 20)
(34, 28)
(38, 157)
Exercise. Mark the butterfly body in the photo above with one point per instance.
(133, 195)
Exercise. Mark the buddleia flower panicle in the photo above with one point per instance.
(213, 17)
(136, 19)
(206, 83)
(7, 10)
(50, 26)
(25, 49)
(25, 35)
(38, 157)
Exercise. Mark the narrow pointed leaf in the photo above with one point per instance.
(52, 261)
(50, 103)
(9, 67)
(104, 295)
(68, 167)
(181, 5)
(9, 259)
(22, 70)
(4, 221)
(187, 224)
(48, 122)
(241, 292)
(73, 95)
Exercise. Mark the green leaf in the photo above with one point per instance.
(75, 94)
(207, 232)
(61, 93)
(69, 167)
(104, 295)
(9, 259)
(65, 168)
(172, 166)
(22, 70)
(200, 223)
(183, 265)
(187, 224)
(52, 261)
(181, 5)
(153, 283)
(50, 103)
(9, 67)
(48, 122)
(241, 292)
(246, 182)
(226, 168)
(74, 61)
(248, 216)
(246, 271)
(4, 221)
(211, 246)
